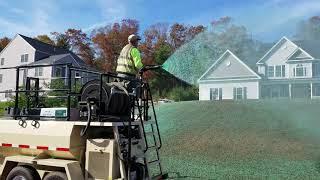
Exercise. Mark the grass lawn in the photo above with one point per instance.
(241, 140)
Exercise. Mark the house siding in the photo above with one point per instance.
(12, 54)
(286, 49)
(288, 85)
(235, 69)
(308, 69)
(253, 91)
(262, 69)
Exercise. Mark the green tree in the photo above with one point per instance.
(162, 53)
(61, 40)
(46, 39)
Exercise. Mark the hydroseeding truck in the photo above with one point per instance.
(102, 131)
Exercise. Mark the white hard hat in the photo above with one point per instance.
(133, 37)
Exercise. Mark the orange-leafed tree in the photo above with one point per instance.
(4, 42)
(110, 40)
(81, 44)
(155, 48)
(181, 34)
(76, 41)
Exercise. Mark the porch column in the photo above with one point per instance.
(290, 91)
(311, 90)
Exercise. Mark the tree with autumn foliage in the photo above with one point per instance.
(160, 42)
(46, 39)
(110, 40)
(4, 42)
(181, 34)
(61, 40)
(80, 43)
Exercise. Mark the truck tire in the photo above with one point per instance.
(23, 173)
(140, 171)
(56, 175)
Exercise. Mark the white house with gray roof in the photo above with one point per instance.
(24, 50)
(290, 69)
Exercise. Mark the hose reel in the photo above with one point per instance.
(114, 97)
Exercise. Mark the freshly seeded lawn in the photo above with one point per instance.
(241, 140)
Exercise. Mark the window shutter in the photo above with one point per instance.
(245, 93)
(26, 57)
(220, 93)
(234, 93)
(283, 70)
(210, 93)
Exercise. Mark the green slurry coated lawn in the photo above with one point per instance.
(241, 140)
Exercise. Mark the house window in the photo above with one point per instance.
(280, 71)
(299, 71)
(77, 75)
(38, 71)
(57, 72)
(2, 61)
(24, 57)
(270, 71)
(240, 93)
(1, 78)
(8, 93)
(215, 94)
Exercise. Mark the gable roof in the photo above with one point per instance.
(273, 48)
(215, 64)
(50, 49)
(300, 54)
(312, 47)
(51, 59)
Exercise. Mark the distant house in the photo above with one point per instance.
(24, 50)
(288, 70)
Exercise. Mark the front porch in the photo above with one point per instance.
(290, 90)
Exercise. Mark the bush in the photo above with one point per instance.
(183, 94)
(4, 105)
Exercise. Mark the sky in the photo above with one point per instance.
(267, 20)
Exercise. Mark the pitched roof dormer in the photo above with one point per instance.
(228, 67)
(45, 50)
(282, 44)
(300, 54)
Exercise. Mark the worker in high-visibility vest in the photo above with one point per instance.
(129, 62)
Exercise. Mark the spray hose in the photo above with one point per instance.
(84, 131)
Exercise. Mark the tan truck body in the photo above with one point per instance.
(58, 145)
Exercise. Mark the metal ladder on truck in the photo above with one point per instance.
(150, 130)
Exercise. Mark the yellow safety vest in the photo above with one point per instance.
(125, 62)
